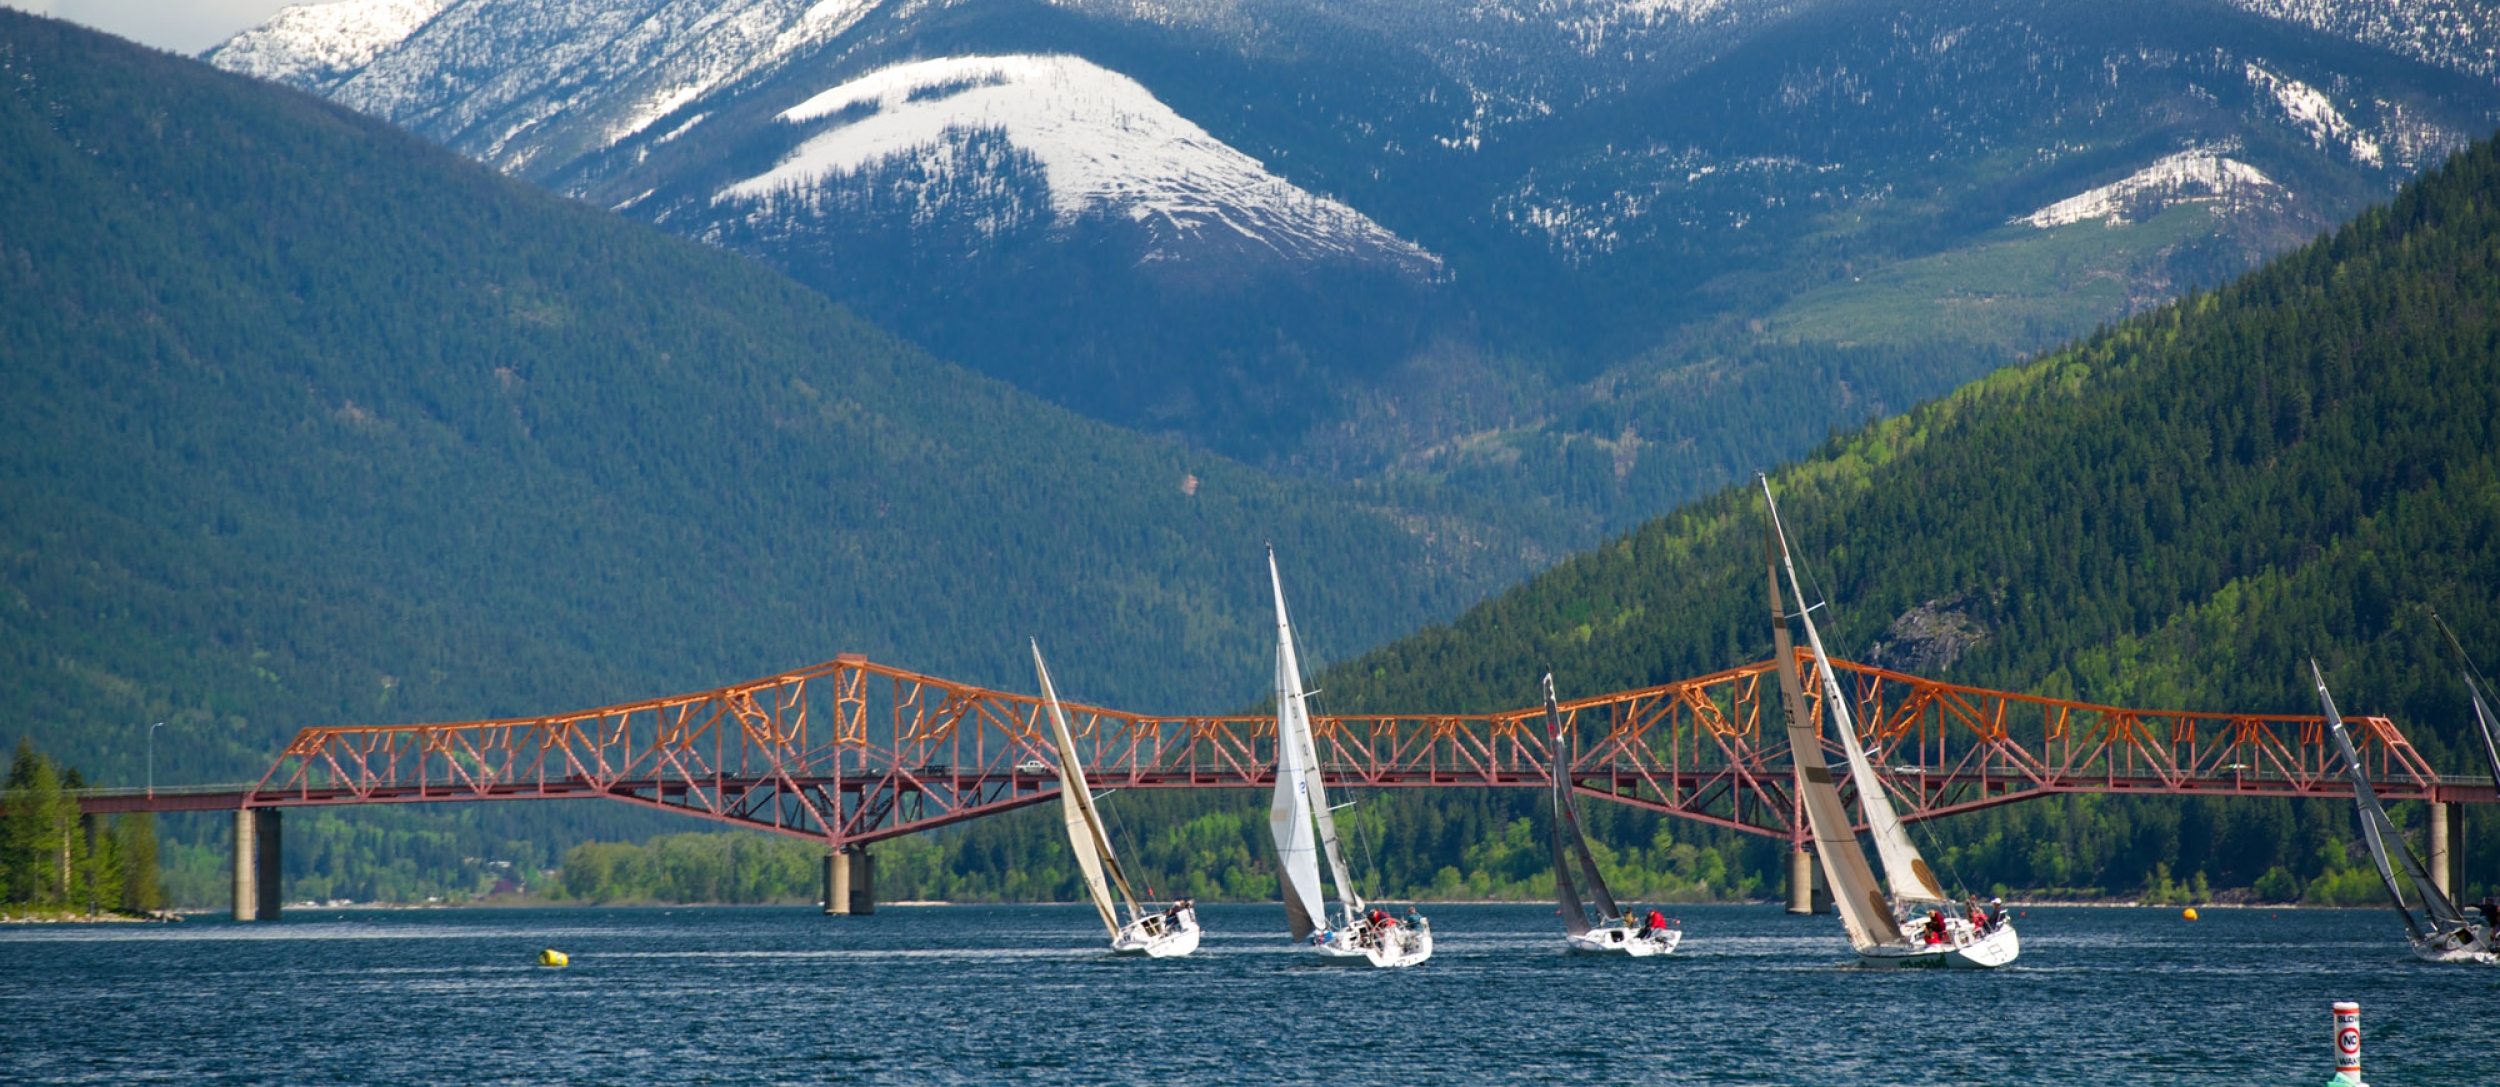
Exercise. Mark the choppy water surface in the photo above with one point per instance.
(969, 994)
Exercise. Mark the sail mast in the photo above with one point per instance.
(1293, 706)
(1289, 813)
(1558, 762)
(1567, 827)
(1860, 904)
(1907, 871)
(2491, 729)
(2473, 689)
(1094, 856)
(2380, 832)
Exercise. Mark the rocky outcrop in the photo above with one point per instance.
(1927, 639)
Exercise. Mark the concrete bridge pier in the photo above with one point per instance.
(1806, 893)
(1801, 880)
(850, 883)
(258, 851)
(2442, 859)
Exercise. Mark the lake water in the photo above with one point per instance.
(1023, 995)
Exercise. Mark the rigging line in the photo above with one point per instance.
(1138, 856)
(2453, 643)
(1937, 844)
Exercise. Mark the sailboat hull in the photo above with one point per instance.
(1620, 942)
(2457, 948)
(1999, 947)
(1139, 939)
(1399, 947)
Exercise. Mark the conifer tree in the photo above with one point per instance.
(134, 850)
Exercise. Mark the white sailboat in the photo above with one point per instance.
(1169, 934)
(1612, 931)
(1944, 937)
(1306, 829)
(2442, 933)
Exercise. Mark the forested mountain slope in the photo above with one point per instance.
(307, 421)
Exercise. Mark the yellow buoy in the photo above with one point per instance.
(553, 957)
(2190, 913)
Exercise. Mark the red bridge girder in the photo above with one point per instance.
(852, 752)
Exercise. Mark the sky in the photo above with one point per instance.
(181, 26)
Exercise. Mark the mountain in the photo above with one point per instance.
(308, 421)
(1544, 261)
(2179, 511)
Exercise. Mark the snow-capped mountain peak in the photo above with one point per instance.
(314, 46)
(1106, 145)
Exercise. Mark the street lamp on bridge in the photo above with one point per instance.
(152, 757)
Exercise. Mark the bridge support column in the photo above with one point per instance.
(267, 854)
(246, 877)
(258, 849)
(850, 883)
(1801, 880)
(863, 883)
(2441, 860)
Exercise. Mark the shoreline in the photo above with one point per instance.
(515, 903)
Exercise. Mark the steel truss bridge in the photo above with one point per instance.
(850, 753)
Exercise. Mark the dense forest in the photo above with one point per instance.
(56, 863)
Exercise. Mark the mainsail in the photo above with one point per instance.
(1912, 881)
(1301, 797)
(1567, 832)
(2491, 730)
(2482, 710)
(1862, 908)
(1094, 856)
(2380, 832)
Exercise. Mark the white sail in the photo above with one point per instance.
(1863, 911)
(1094, 856)
(1912, 881)
(1298, 789)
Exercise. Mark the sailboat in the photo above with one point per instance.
(1944, 937)
(1169, 934)
(1611, 931)
(1306, 828)
(2441, 933)
(2482, 709)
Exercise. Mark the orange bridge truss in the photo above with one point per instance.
(852, 752)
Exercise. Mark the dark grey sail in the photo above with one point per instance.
(1567, 826)
(2482, 710)
(2385, 841)
(2491, 731)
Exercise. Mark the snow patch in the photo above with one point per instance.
(314, 45)
(2316, 114)
(1107, 146)
(2190, 176)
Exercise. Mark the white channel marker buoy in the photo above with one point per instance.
(2347, 1045)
